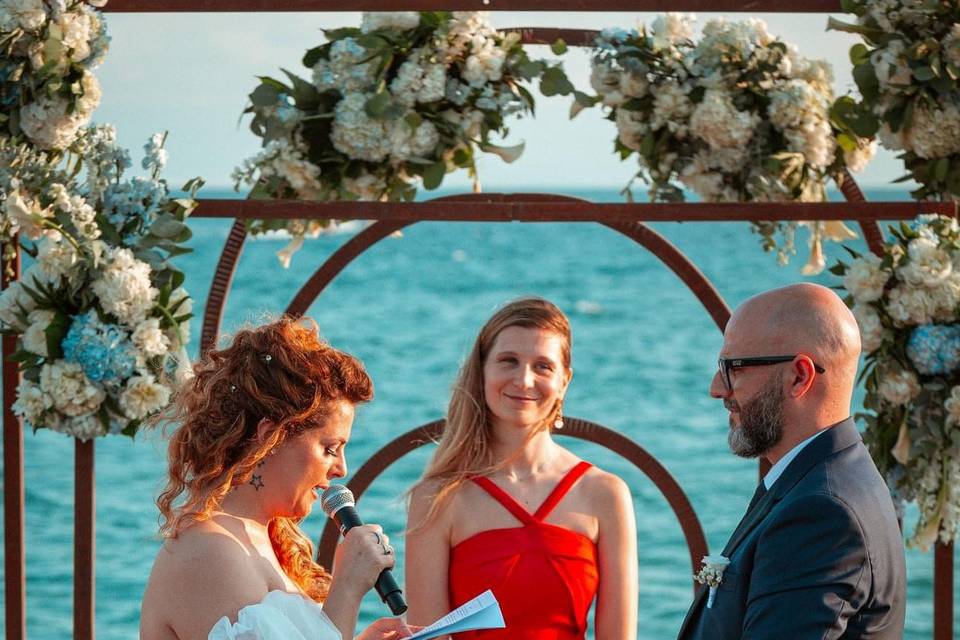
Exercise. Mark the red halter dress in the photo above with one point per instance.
(544, 576)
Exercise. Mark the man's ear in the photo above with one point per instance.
(803, 372)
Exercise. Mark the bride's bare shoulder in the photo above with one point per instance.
(204, 573)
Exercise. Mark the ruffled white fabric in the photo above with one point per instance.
(279, 616)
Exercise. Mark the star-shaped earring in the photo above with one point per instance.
(257, 482)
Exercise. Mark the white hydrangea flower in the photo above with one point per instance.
(396, 20)
(72, 393)
(407, 143)
(356, 134)
(31, 402)
(634, 84)
(142, 396)
(865, 279)
(934, 133)
(951, 45)
(717, 121)
(27, 14)
(632, 126)
(803, 115)
(890, 64)
(952, 405)
(899, 388)
(871, 327)
(150, 339)
(124, 287)
(484, 64)
(75, 27)
(605, 80)
(35, 338)
(671, 28)
(928, 264)
(84, 428)
(909, 305)
(672, 108)
(49, 124)
(434, 84)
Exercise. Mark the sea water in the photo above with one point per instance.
(644, 352)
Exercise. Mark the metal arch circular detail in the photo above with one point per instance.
(573, 427)
(220, 287)
(659, 246)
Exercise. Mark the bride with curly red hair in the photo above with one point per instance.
(261, 430)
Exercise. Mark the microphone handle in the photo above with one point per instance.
(347, 518)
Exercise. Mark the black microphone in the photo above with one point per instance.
(338, 503)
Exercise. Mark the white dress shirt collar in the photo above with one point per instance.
(777, 470)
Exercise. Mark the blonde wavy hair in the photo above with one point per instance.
(281, 371)
(465, 449)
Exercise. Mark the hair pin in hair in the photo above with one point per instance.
(267, 358)
(233, 388)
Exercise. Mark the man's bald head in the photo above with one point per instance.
(803, 317)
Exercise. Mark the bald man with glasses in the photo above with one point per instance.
(819, 553)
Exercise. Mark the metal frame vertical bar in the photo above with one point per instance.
(943, 591)
(84, 542)
(14, 559)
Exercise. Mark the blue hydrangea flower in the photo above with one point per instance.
(934, 349)
(103, 351)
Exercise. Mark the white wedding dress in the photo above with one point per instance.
(279, 616)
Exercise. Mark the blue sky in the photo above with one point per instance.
(190, 74)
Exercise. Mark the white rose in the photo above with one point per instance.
(899, 388)
(871, 328)
(865, 279)
(49, 124)
(142, 396)
(150, 339)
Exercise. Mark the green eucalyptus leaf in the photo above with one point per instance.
(559, 47)
(264, 95)
(55, 332)
(433, 175)
(378, 104)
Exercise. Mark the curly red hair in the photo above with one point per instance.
(282, 371)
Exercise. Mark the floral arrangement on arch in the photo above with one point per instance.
(49, 51)
(908, 73)
(738, 116)
(906, 304)
(401, 101)
(101, 314)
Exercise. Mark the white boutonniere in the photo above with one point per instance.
(712, 575)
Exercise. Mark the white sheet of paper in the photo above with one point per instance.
(483, 612)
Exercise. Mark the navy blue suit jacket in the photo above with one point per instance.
(820, 556)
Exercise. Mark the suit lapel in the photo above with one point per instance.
(691, 612)
(835, 438)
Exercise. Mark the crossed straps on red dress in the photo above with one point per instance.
(543, 575)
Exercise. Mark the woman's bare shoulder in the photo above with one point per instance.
(198, 577)
(605, 489)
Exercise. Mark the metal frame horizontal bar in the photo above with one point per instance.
(511, 207)
(702, 6)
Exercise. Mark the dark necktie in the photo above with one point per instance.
(757, 495)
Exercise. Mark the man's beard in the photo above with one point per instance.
(761, 422)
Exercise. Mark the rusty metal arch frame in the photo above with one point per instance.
(573, 427)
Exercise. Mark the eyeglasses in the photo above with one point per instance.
(726, 365)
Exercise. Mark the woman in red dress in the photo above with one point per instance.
(502, 506)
